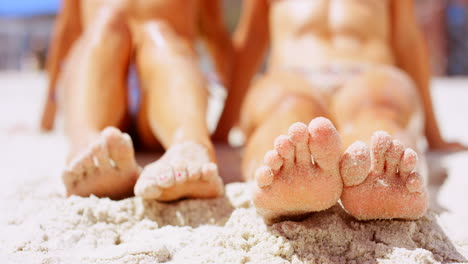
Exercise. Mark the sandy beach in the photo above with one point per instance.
(38, 224)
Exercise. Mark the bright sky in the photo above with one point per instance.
(15, 8)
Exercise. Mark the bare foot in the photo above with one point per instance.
(301, 174)
(185, 170)
(382, 184)
(107, 168)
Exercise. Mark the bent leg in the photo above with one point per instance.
(94, 97)
(174, 111)
(300, 174)
(67, 29)
(382, 182)
(381, 99)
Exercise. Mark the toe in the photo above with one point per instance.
(324, 143)
(263, 176)
(355, 164)
(273, 160)
(76, 175)
(120, 147)
(393, 157)
(414, 184)
(408, 162)
(69, 178)
(180, 173)
(110, 131)
(100, 156)
(165, 177)
(147, 188)
(209, 171)
(194, 172)
(83, 166)
(76, 167)
(285, 149)
(380, 143)
(299, 136)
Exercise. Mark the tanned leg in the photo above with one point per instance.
(299, 173)
(94, 97)
(67, 29)
(175, 101)
(382, 182)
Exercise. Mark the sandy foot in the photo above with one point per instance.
(382, 184)
(301, 174)
(106, 169)
(185, 170)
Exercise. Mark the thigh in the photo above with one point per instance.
(385, 90)
(169, 72)
(270, 91)
(88, 96)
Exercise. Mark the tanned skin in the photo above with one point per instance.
(92, 48)
(251, 40)
(381, 107)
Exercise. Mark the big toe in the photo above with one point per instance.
(324, 143)
(355, 164)
(119, 144)
(153, 179)
(147, 188)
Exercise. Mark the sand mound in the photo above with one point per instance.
(223, 230)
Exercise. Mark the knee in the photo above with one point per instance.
(111, 25)
(160, 35)
(301, 104)
(389, 90)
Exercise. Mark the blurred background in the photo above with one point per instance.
(26, 26)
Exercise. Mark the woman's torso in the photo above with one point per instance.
(311, 33)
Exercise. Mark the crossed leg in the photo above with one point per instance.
(174, 112)
(94, 97)
(382, 182)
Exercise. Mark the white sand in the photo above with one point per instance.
(39, 225)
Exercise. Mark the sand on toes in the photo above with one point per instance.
(301, 174)
(107, 168)
(184, 171)
(382, 183)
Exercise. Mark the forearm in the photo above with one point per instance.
(431, 126)
(66, 32)
(56, 54)
(241, 79)
(412, 57)
(250, 42)
(416, 65)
